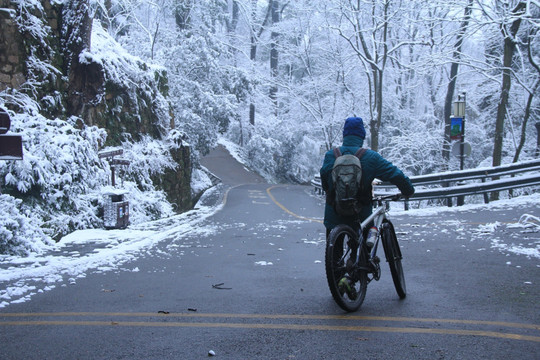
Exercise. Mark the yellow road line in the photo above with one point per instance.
(268, 191)
(279, 316)
(402, 330)
(275, 317)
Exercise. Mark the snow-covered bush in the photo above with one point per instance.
(19, 230)
(280, 151)
(60, 167)
(200, 181)
(61, 180)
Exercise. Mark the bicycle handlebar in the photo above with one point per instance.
(390, 197)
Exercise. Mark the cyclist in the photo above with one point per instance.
(373, 166)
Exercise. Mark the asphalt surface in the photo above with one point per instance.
(253, 286)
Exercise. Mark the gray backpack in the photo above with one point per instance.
(346, 179)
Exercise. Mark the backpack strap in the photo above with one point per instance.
(360, 152)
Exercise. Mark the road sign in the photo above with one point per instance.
(456, 149)
(456, 128)
(119, 162)
(110, 153)
(11, 147)
(5, 121)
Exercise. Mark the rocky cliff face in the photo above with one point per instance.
(12, 56)
(46, 50)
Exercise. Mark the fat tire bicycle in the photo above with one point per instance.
(351, 264)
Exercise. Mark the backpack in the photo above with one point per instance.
(346, 179)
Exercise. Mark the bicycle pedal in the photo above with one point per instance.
(376, 259)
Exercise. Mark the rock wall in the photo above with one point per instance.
(124, 112)
(12, 55)
(177, 182)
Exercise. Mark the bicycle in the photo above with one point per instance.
(351, 264)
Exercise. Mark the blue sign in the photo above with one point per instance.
(456, 128)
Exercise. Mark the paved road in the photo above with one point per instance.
(251, 285)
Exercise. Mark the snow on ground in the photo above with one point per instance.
(107, 250)
(523, 240)
(100, 250)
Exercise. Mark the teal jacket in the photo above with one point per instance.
(373, 166)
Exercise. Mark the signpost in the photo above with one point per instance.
(457, 123)
(457, 132)
(116, 208)
(109, 155)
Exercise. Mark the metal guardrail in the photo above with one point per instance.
(474, 188)
(445, 180)
(474, 174)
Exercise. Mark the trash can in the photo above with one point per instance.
(116, 210)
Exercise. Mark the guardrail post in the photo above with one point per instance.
(448, 199)
(537, 152)
(486, 196)
(461, 198)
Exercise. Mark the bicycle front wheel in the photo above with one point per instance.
(347, 283)
(393, 256)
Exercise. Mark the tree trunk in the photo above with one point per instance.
(378, 72)
(452, 84)
(182, 13)
(524, 125)
(532, 92)
(253, 54)
(274, 54)
(509, 48)
(233, 23)
(254, 41)
(375, 125)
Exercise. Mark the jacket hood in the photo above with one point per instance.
(352, 140)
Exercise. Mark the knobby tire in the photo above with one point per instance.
(393, 257)
(338, 251)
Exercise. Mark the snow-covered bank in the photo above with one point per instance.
(521, 237)
(100, 250)
(533, 199)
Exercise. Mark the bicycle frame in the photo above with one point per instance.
(377, 217)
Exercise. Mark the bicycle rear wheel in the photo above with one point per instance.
(347, 285)
(393, 256)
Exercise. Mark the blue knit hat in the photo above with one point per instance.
(354, 126)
